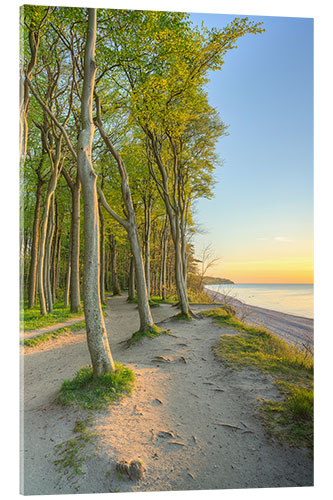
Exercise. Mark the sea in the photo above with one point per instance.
(296, 299)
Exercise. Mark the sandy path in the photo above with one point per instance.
(189, 397)
(291, 328)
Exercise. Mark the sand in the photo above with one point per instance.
(193, 423)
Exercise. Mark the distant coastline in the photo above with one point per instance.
(210, 280)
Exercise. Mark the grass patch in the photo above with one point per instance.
(151, 332)
(39, 339)
(291, 418)
(71, 454)
(31, 319)
(91, 392)
(182, 317)
(35, 341)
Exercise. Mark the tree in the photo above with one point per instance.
(96, 332)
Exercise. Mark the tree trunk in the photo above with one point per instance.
(75, 295)
(68, 272)
(146, 320)
(164, 260)
(34, 247)
(54, 252)
(42, 242)
(98, 343)
(147, 243)
(102, 255)
(58, 257)
(131, 280)
(115, 283)
(48, 260)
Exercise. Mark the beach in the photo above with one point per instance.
(293, 329)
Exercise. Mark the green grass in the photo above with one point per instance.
(39, 339)
(31, 319)
(91, 392)
(182, 317)
(71, 454)
(152, 332)
(291, 418)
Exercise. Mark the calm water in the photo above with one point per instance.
(291, 299)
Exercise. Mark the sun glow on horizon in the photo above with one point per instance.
(297, 270)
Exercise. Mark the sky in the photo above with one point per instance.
(260, 222)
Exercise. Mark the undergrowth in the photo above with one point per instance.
(291, 418)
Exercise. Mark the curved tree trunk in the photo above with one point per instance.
(146, 320)
(98, 343)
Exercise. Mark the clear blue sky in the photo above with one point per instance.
(263, 206)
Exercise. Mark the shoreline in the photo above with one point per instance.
(291, 328)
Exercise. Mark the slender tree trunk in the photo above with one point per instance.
(98, 343)
(75, 294)
(172, 210)
(48, 260)
(107, 270)
(42, 243)
(102, 255)
(115, 283)
(164, 260)
(68, 272)
(146, 320)
(58, 261)
(34, 247)
(184, 249)
(147, 243)
(131, 280)
(54, 252)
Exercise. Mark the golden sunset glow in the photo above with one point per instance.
(295, 270)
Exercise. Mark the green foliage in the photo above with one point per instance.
(92, 392)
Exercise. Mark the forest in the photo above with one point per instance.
(117, 142)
